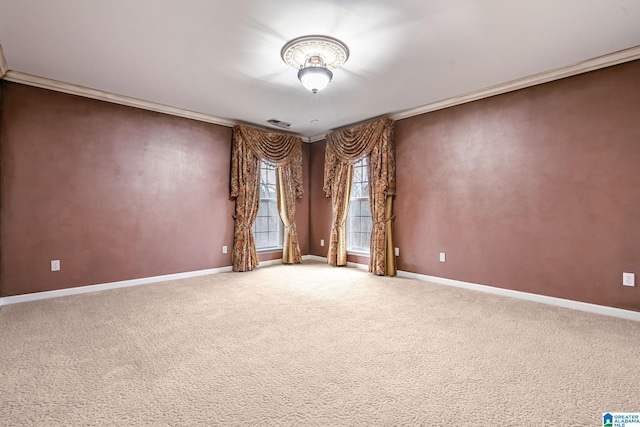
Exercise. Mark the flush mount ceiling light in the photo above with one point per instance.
(314, 57)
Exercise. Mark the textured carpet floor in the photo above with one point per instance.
(310, 345)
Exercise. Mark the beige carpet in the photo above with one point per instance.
(310, 345)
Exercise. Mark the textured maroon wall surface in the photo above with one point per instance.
(113, 192)
(302, 208)
(536, 190)
(320, 212)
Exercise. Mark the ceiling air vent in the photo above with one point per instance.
(279, 123)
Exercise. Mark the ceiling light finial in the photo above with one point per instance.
(314, 57)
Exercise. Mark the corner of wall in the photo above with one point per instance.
(3, 63)
(1, 174)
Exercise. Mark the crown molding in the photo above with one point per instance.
(593, 64)
(58, 86)
(322, 136)
(4, 68)
(305, 139)
(317, 138)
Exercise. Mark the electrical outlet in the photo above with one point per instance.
(443, 257)
(55, 265)
(397, 251)
(321, 242)
(224, 249)
(628, 279)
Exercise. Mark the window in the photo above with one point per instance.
(267, 229)
(359, 221)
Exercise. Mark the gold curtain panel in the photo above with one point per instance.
(376, 141)
(249, 147)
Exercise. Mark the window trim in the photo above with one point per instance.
(359, 251)
(271, 250)
(279, 247)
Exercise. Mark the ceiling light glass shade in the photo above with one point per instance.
(315, 57)
(315, 78)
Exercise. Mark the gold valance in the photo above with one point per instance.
(277, 148)
(348, 145)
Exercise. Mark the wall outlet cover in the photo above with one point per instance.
(628, 279)
(443, 257)
(224, 249)
(55, 265)
(397, 251)
(321, 242)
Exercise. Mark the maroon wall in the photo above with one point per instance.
(536, 190)
(302, 207)
(113, 192)
(320, 213)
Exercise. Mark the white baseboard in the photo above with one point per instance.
(123, 284)
(349, 264)
(560, 302)
(357, 265)
(106, 286)
(279, 261)
(316, 258)
(270, 262)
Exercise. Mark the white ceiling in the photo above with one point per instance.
(222, 58)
